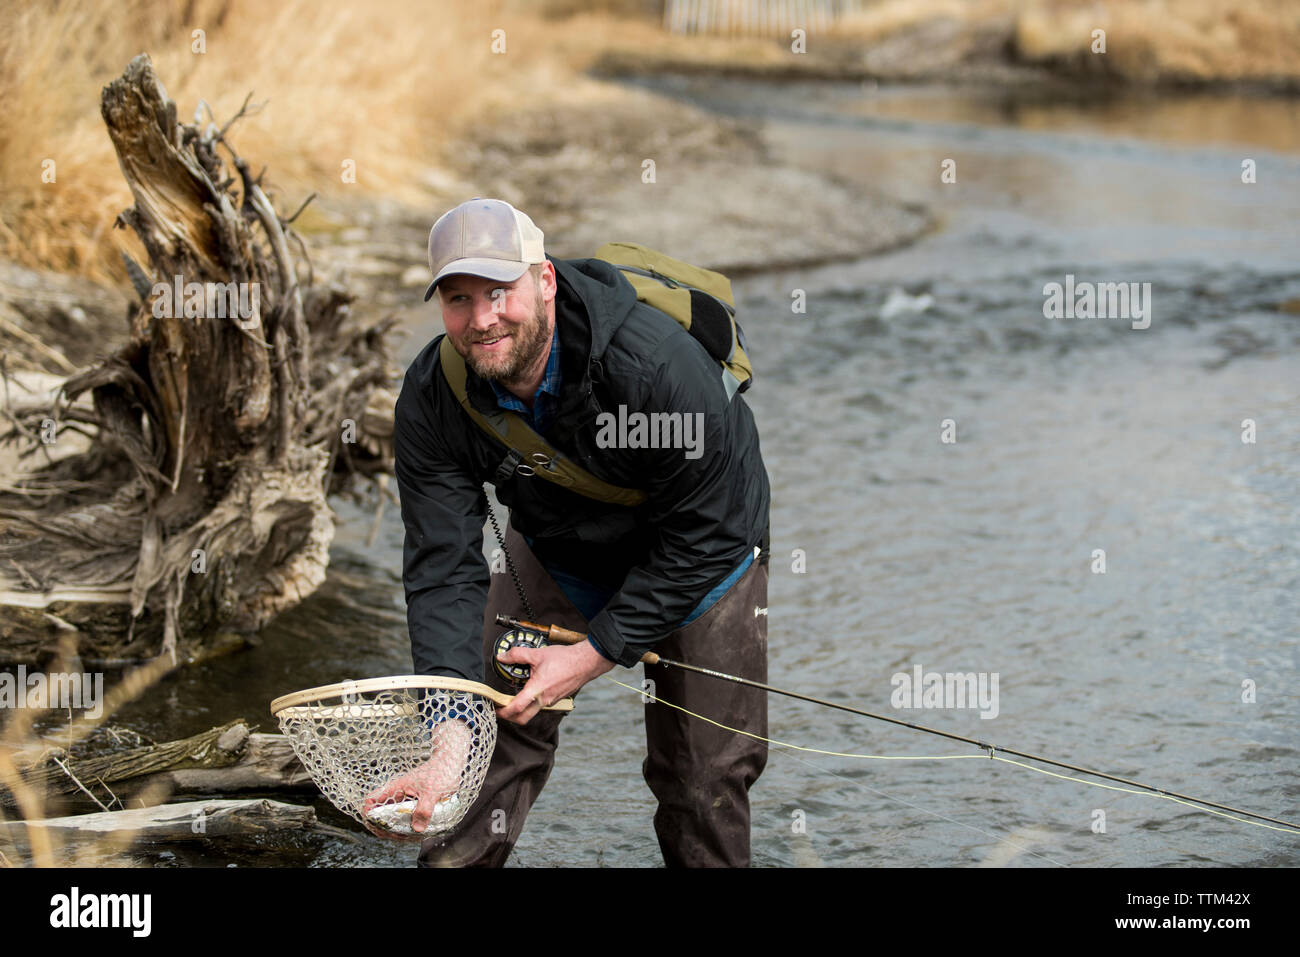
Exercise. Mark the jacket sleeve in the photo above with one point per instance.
(695, 501)
(444, 574)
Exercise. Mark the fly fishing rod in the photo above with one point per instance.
(564, 636)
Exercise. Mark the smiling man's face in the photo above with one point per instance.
(502, 329)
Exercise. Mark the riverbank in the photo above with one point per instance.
(609, 162)
(1247, 46)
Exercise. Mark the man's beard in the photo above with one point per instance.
(528, 341)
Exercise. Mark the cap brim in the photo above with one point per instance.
(497, 269)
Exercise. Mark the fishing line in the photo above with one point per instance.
(561, 635)
(1150, 791)
(999, 838)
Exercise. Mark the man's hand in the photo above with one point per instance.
(431, 782)
(557, 672)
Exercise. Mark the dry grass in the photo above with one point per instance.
(1228, 40)
(388, 84)
(1146, 40)
(20, 742)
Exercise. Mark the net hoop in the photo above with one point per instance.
(366, 685)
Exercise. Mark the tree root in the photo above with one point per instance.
(177, 489)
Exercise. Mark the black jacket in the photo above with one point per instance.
(700, 519)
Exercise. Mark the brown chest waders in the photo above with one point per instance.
(699, 773)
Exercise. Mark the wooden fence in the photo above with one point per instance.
(754, 17)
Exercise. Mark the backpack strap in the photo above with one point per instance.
(527, 452)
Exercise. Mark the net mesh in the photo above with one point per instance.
(378, 754)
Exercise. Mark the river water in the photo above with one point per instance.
(893, 549)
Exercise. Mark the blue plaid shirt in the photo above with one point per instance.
(548, 393)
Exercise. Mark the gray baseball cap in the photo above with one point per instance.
(483, 237)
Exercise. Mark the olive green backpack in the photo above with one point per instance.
(700, 300)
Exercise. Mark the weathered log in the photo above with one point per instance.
(57, 773)
(267, 764)
(171, 823)
(222, 761)
(199, 506)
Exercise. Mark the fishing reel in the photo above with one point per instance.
(517, 637)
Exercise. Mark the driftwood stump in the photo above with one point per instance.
(194, 506)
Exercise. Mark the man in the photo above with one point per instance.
(684, 572)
